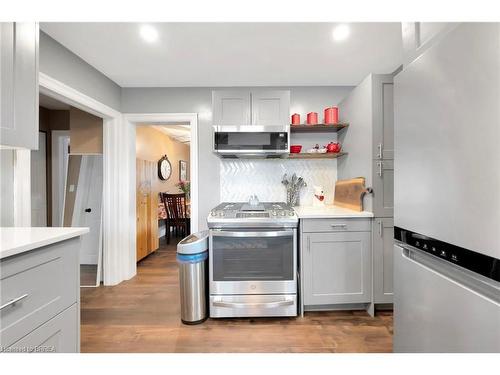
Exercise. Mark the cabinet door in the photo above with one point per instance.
(7, 81)
(231, 107)
(271, 107)
(337, 268)
(383, 116)
(383, 188)
(383, 249)
(59, 335)
(19, 85)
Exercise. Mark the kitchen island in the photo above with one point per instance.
(335, 259)
(40, 283)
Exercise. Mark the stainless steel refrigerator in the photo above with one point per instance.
(447, 195)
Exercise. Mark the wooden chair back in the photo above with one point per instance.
(175, 206)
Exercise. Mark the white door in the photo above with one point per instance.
(39, 183)
(87, 210)
(60, 151)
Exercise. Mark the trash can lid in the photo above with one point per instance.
(194, 243)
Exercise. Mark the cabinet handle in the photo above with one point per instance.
(13, 301)
(339, 225)
(379, 153)
(380, 227)
(379, 165)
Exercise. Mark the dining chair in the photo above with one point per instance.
(177, 218)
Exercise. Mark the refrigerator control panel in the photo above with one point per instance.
(473, 261)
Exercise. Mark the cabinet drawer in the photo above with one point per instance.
(58, 335)
(336, 225)
(47, 281)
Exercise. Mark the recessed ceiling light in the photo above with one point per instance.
(149, 33)
(341, 32)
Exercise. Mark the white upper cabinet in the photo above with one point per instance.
(244, 107)
(231, 107)
(383, 116)
(271, 107)
(19, 84)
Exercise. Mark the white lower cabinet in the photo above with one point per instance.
(383, 255)
(58, 335)
(336, 268)
(40, 299)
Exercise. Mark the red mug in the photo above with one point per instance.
(331, 115)
(312, 118)
(295, 119)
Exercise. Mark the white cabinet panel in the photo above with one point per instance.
(337, 268)
(383, 249)
(383, 188)
(244, 107)
(231, 107)
(271, 107)
(19, 84)
(58, 335)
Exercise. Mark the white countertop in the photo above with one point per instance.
(17, 240)
(329, 212)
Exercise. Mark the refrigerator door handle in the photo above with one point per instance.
(461, 277)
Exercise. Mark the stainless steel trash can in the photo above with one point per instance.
(192, 257)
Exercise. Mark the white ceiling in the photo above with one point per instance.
(233, 54)
(181, 133)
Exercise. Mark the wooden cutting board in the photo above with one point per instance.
(349, 193)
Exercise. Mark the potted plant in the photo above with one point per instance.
(184, 186)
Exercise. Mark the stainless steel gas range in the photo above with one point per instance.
(253, 260)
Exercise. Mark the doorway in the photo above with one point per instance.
(67, 178)
(174, 125)
(163, 186)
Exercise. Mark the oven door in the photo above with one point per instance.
(250, 139)
(253, 262)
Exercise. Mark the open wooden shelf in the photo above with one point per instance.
(326, 155)
(330, 128)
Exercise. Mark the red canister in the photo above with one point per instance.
(295, 119)
(312, 118)
(331, 115)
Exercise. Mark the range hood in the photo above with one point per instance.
(251, 141)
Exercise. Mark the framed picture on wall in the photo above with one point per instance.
(182, 170)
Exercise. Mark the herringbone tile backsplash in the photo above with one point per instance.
(241, 178)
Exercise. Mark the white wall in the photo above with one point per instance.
(199, 100)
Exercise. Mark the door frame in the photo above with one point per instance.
(59, 173)
(118, 217)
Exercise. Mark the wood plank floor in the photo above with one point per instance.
(142, 315)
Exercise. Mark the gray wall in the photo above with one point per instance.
(63, 65)
(199, 100)
(356, 109)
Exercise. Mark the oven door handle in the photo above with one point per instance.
(243, 305)
(278, 233)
